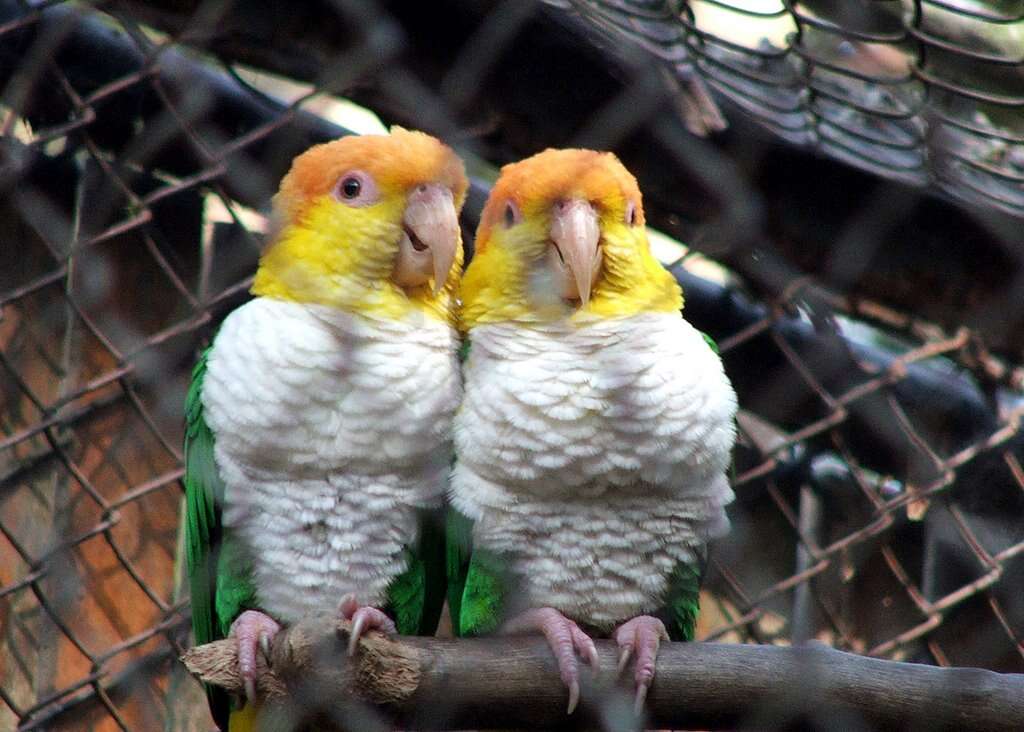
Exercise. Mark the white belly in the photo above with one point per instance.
(597, 562)
(594, 458)
(330, 431)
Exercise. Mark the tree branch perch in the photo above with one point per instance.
(513, 682)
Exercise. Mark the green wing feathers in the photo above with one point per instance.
(458, 548)
(483, 598)
(204, 491)
(711, 342)
(416, 597)
(478, 581)
(219, 576)
(464, 348)
(682, 602)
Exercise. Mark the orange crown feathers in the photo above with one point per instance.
(397, 161)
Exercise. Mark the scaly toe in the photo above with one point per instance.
(584, 645)
(565, 639)
(640, 639)
(347, 606)
(253, 630)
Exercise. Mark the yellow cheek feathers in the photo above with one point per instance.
(341, 256)
(498, 287)
(632, 280)
(494, 287)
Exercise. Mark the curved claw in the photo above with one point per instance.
(641, 697)
(363, 619)
(358, 626)
(565, 639)
(624, 656)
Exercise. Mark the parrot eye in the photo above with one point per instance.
(631, 213)
(512, 214)
(355, 188)
(350, 187)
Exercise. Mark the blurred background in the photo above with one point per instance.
(838, 186)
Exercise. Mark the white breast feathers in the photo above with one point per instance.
(330, 430)
(595, 456)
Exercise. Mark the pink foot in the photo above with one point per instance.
(640, 637)
(565, 639)
(363, 618)
(252, 628)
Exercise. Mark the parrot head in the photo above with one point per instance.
(562, 236)
(369, 224)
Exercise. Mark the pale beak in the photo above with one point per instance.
(430, 238)
(575, 255)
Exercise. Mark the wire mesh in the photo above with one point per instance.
(922, 91)
(879, 478)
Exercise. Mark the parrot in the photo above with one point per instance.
(318, 437)
(596, 428)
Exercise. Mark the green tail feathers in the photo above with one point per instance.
(682, 602)
(483, 598)
(416, 597)
(458, 549)
(478, 581)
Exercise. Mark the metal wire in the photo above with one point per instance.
(879, 478)
(920, 91)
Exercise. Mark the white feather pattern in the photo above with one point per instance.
(330, 430)
(594, 457)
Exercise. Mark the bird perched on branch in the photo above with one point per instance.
(318, 439)
(596, 427)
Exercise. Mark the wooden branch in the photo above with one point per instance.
(512, 682)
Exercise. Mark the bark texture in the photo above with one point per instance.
(433, 683)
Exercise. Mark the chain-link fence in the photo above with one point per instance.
(872, 329)
(923, 91)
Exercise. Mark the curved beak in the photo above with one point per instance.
(576, 254)
(430, 238)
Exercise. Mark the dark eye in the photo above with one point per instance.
(350, 187)
(356, 188)
(631, 213)
(511, 214)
